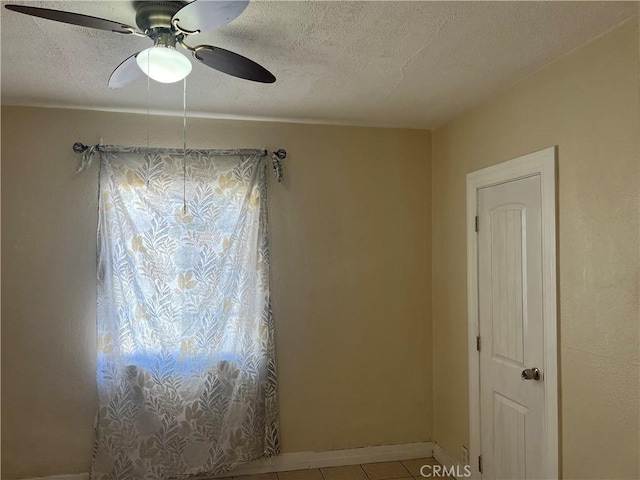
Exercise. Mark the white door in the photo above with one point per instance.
(511, 328)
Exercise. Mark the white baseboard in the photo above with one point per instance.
(305, 460)
(79, 476)
(335, 458)
(446, 460)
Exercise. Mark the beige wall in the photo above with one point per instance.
(350, 237)
(587, 104)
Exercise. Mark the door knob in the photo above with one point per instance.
(530, 374)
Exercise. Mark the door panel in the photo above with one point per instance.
(506, 270)
(509, 428)
(511, 329)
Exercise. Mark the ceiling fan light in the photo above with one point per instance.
(164, 64)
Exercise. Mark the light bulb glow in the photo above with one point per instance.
(164, 64)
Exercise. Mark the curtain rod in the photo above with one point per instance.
(277, 155)
(79, 148)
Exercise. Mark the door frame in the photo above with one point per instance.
(542, 163)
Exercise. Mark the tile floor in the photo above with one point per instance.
(404, 470)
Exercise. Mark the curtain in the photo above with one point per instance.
(186, 368)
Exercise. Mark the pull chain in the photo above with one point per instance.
(148, 116)
(184, 147)
(148, 97)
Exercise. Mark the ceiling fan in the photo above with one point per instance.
(167, 24)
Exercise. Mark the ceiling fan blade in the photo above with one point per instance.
(232, 64)
(126, 72)
(205, 15)
(73, 18)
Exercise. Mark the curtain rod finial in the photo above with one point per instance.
(79, 147)
(281, 154)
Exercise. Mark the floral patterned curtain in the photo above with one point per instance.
(186, 368)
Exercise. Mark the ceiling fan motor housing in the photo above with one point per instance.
(156, 15)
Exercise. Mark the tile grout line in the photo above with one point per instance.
(365, 472)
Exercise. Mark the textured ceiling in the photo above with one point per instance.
(399, 64)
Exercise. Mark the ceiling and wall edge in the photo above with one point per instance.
(215, 116)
